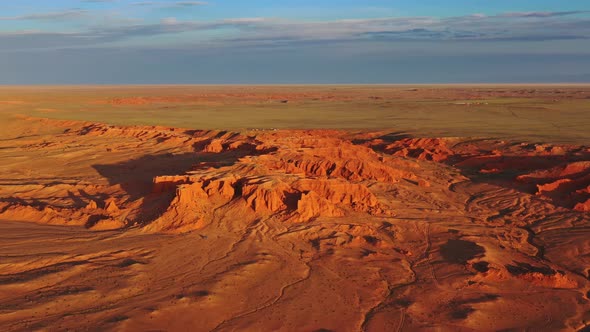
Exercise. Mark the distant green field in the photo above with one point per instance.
(549, 114)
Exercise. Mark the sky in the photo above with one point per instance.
(293, 41)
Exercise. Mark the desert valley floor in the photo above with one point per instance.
(302, 208)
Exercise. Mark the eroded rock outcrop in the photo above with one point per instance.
(434, 149)
(567, 184)
(560, 174)
(294, 176)
(324, 177)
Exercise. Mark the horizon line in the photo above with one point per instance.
(292, 84)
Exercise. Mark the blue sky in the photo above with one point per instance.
(293, 41)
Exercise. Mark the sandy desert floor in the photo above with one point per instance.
(382, 208)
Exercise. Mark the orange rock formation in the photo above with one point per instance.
(291, 230)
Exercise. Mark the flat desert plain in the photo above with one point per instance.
(295, 208)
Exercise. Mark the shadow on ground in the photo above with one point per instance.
(136, 176)
(483, 165)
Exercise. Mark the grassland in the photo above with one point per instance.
(559, 114)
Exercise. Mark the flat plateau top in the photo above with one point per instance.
(532, 112)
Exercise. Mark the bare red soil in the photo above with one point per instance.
(290, 230)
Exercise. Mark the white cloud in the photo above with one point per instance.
(50, 16)
(276, 31)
